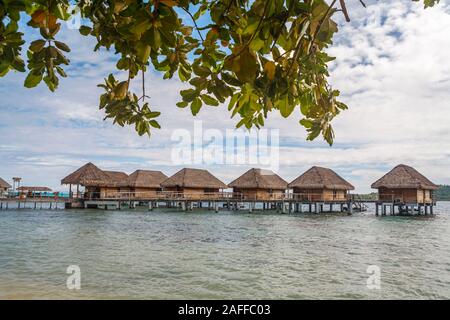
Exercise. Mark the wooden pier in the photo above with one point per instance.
(401, 208)
(33, 203)
(282, 203)
(288, 203)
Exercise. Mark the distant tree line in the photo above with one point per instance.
(443, 193)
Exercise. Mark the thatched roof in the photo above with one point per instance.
(404, 177)
(259, 179)
(89, 174)
(4, 184)
(321, 178)
(112, 179)
(117, 176)
(144, 179)
(193, 178)
(34, 189)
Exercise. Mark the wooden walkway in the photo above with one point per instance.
(283, 203)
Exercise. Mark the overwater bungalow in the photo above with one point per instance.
(259, 184)
(97, 183)
(320, 184)
(4, 187)
(108, 187)
(405, 185)
(193, 184)
(144, 184)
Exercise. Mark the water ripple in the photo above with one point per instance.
(206, 255)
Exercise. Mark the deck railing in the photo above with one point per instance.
(211, 196)
(395, 198)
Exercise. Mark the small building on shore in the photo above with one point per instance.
(259, 184)
(320, 184)
(405, 185)
(4, 187)
(143, 184)
(26, 191)
(191, 183)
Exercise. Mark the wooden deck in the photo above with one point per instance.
(284, 203)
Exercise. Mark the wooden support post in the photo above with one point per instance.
(342, 207)
(392, 209)
(250, 207)
(216, 207)
(350, 207)
(376, 209)
(150, 206)
(431, 209)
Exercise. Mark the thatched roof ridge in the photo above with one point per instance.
(117, 176)
(321, 178)
(113, 179)
(144, 179)
(87, 174)
(404, 177)
(4, 184)
(259, 179)
(193, 178)
(34, 189)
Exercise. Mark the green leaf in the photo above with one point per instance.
(284, 106)
(182, 104)
(189, 95)
(85, 30)
(37, 45)
(32, 80)
(196, 106)
(62, 46)
(152, 37)
(154, 124)
(306, 123)
(209, 100)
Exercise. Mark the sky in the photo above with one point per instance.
(391, 67)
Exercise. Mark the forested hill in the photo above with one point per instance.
(443, 193)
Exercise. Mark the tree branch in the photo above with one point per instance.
(195, 23)
(344, 10)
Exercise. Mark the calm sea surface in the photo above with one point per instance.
(206, 255)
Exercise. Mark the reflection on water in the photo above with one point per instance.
(207, 255)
